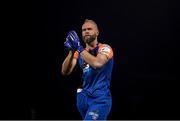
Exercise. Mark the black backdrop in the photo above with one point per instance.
(143, 35)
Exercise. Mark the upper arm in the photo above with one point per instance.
(105, 53)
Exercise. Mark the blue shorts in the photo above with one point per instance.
(94, 107)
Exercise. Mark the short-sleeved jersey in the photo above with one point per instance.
(96, 79)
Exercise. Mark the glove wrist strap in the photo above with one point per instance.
(80, 49)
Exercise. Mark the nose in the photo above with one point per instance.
(86, 32)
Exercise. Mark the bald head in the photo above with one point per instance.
(89, 31)
(92, 22)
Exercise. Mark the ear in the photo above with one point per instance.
(97, 32)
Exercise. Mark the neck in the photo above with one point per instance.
(92, 45)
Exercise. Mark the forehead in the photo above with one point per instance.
(88, 25)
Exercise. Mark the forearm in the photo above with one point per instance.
(91, 60)
(67, 64)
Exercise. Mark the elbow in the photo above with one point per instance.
(65, 73)
(97, 65)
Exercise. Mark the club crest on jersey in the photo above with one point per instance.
(85, 67)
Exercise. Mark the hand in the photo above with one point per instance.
(75, 41)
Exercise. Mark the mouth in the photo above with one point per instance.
(87, 35)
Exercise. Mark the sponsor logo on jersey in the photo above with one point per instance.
(94, 114)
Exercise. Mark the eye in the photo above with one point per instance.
(89, 28)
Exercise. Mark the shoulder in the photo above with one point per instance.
(104, 46)
(105, 49)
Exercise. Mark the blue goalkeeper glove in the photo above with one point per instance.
(75, 41)
(68, 45)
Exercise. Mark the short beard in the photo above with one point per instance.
(89, 39)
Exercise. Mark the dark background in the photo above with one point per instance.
(143, 35)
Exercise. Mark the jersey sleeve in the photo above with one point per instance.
(76, 54)
(105, 50)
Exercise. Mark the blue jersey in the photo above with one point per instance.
(97, 79)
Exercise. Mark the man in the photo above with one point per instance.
(96, 60)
